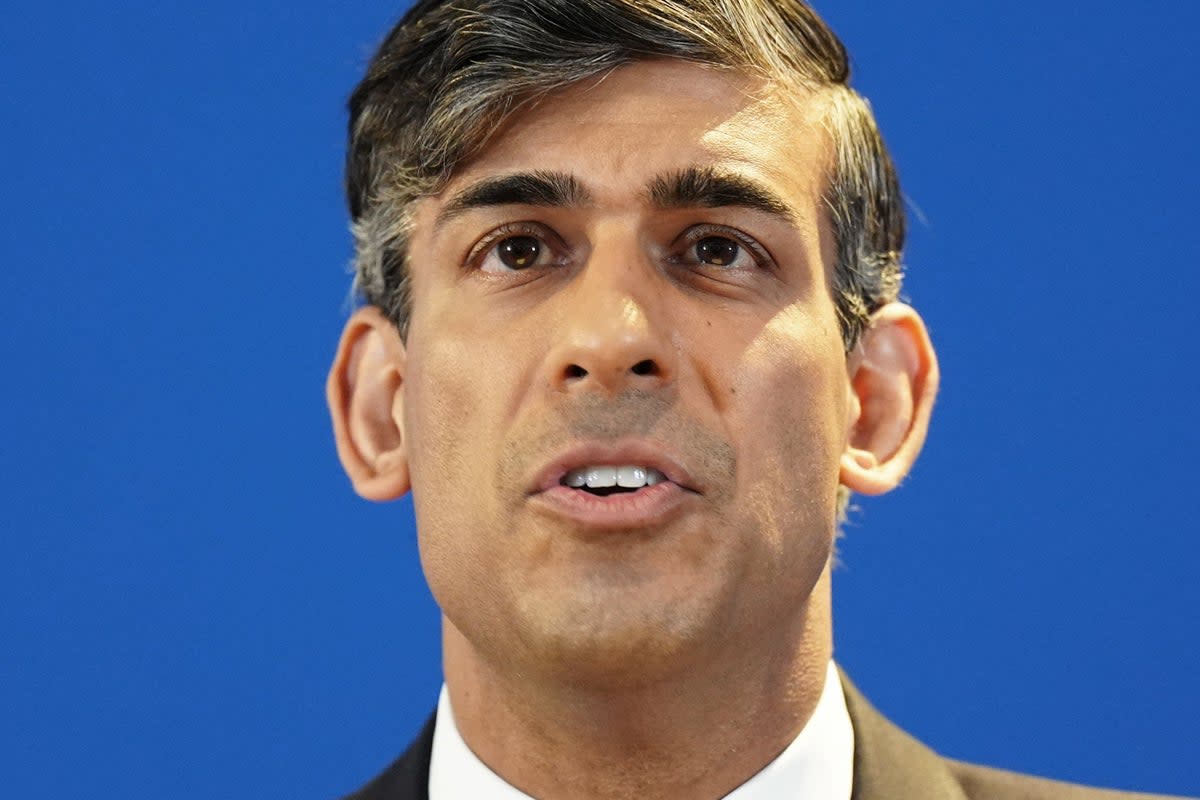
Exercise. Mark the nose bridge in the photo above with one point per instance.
(615, 335)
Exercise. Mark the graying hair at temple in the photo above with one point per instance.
(451, 72)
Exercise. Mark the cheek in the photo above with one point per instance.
(438, 403)
(446, 416)
(792, 376)
(790, 398)
(458, 393)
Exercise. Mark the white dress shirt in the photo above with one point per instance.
(817, 765)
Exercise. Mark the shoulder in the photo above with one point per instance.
(988, 783)
(891, 765)
(406, 778)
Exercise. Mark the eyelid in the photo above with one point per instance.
(762, 258)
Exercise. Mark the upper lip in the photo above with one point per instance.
(626, 452)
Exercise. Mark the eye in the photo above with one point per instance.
(722, 248)
(718, 251)
(513, 248)
(518, 252)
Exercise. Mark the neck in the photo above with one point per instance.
(699, 733)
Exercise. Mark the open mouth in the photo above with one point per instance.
(619, 496)
(605, 491)
(603, 481)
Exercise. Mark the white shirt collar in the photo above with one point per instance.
(819, 763)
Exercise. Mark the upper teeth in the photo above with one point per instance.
(601, 477)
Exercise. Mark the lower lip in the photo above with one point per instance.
(648, 506)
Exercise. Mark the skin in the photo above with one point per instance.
(666, 660)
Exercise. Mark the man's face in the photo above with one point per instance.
(652, 294)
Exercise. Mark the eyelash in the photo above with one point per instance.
(762, 259)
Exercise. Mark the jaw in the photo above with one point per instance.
(624, 718)
(624, 609)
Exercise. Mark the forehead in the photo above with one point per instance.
(616, 132)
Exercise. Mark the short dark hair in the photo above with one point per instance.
(451, 72)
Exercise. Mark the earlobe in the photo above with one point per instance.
(365, 397)
(893, 381)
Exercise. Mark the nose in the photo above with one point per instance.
(615, 334)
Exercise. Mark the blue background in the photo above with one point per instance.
(193, 604)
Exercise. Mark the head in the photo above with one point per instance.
(449, 75)
(596, 233)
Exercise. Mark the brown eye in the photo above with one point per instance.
(718, 251)
(519, 252)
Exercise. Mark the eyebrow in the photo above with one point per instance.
(693, 187)
(708, 187)
(539, 188)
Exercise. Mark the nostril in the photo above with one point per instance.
(645, 367)
(576, 371)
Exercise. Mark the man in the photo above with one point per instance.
(631, 338)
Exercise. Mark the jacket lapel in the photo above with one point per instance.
(408, 776)
(888, 763)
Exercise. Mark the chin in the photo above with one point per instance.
(614, 636)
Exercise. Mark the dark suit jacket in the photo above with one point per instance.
(888, 765)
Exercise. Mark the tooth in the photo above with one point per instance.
(653, 476)
(631, 477)
(601, 477)
(576, 478)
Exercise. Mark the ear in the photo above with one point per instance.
(365, 394)
(893, 380)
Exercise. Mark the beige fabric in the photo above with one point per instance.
(891, 765)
